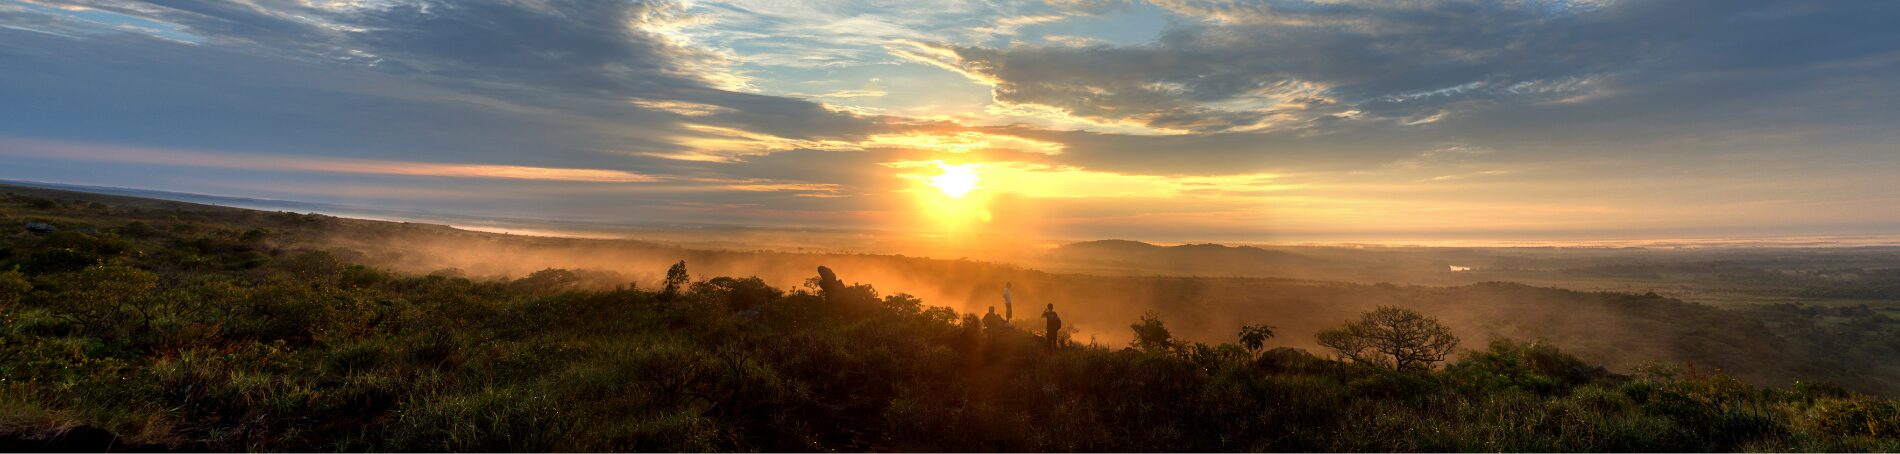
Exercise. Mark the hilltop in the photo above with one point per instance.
(167, 325)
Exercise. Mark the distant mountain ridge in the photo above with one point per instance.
(1204, 258)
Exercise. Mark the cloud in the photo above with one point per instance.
(1012, 25)
(1071, 41)
(606, 104)
(686, 108)
(555, 84)
(168, 157)
(963, 142)
(709, 143)
(1274, 65)
(119, 154)
(1450, 153)
(854, 94)
(1049, 181)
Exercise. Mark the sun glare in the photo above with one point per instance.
(956, 180)
(952, 198)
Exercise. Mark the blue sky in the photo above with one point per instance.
(1166, 119)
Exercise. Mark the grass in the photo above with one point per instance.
(203, 335)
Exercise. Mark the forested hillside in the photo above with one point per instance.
(134, 324)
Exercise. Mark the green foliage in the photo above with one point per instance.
(58, 261)
(1860, 416)
(13, 287)
(208, 337)
(110, 302)
(1536, 367)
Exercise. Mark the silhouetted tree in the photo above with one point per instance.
(739, 293)
(547, 280)
(1393, 337)
(904, 303)
(828, 283)
(1151, 334)
(676, 278)
(858, 298)
(1254, 337)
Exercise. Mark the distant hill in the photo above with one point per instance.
(1299, 291)
(149, 325)
(215, 200)
(1192, 259)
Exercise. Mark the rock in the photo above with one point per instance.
(40, 227)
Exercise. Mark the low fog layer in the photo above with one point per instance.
(1629, 324)
(1769, 315)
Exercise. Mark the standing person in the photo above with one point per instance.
(1009, 309)
(1055, 326)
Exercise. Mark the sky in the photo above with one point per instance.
(1167, 120)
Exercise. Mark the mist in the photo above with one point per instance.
(1099, 299)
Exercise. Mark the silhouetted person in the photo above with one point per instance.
(992, 322)
(1055, 325)
(1009, 307)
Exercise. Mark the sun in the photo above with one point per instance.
(955, 181)
(953, 198)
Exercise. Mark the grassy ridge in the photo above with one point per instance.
(190, 334)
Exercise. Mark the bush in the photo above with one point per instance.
(1855, 417)
(13, 287)
(58, 261)
(1531, 366)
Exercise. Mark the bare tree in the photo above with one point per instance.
(1393, 337)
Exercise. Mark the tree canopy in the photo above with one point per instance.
(1393, 337)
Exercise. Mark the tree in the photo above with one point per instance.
(676, 278)
(1151, 334)
(1254, 337)
(904, 303)
(739, 293)
(546, 281)
(856, 298)
(1398, 338)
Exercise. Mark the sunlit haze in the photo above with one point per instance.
(950, 226)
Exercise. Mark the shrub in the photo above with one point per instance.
(1531, 366)
(1151, 334)
(13, 287)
